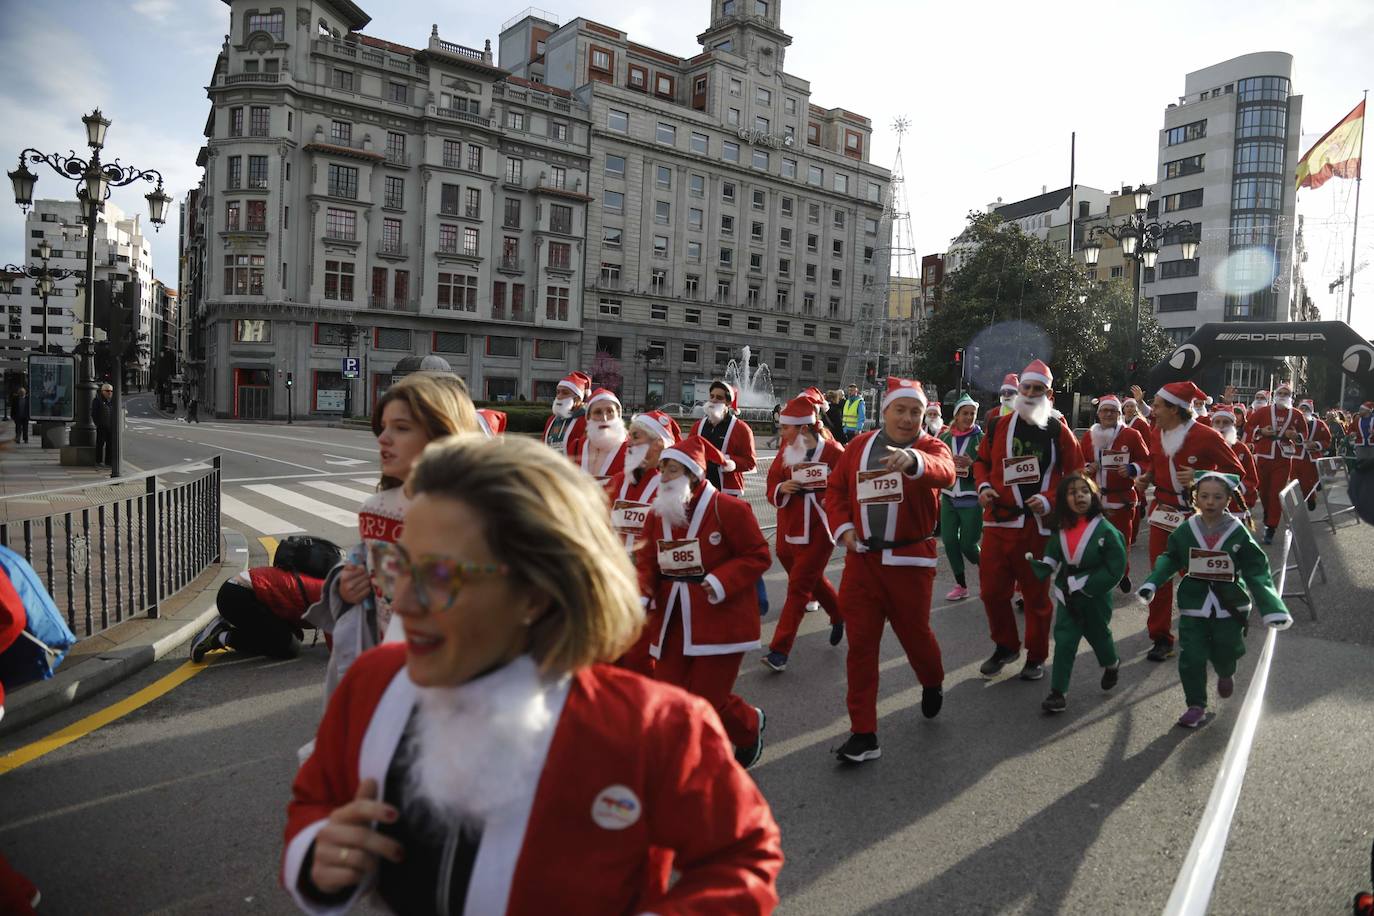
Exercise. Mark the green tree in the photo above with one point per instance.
(1017, 298)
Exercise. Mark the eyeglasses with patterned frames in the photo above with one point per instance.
(436, 580)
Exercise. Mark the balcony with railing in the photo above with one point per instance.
(454, 114)
(398, 157)
(391, 248)
(392, 304)
(511, 264)
(235, 79)
(523, 315)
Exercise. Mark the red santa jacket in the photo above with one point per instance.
(1143, 426)
(573, 430)
(611, 465)
(739, 448)
(287, 594)
(1317, 440)
(1247, 497)
(1117, 491)
(1008, 510)
(912, 519)
(1202, 449)
(733, 554)
(991, 416)
(1286, 421)
(633, 766)
(797, 512)
(1361, 430)
(631, 501)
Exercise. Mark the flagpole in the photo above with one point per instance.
(1354, 234)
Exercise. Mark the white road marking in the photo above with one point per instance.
(371, 449)
(370, 481)
(254, 517)
(341, 460)
(300, 501)
(325, 486)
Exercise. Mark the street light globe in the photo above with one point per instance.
(23, 181)
(1130, 238)
(157, 205)
(44, 286)
(96, 185)
(1142, 199)
(1189, 246)
(1092, 250)
(1149, 255)
(96, 125)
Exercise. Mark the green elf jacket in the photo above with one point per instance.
(1252, 583)
(1087, 576)
(963, 486)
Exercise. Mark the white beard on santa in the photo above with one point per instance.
(1103, 436)
(474, 747)
(1034, 410)
(605, 437)
(796, 451)
(1228, 433)
(634, 457)
(671, 501)
(934, 425)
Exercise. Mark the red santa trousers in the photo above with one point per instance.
(1306, 473)
(805, 565)
(1274, 474)
(711, 677)
(1003, 567)
(871, 593)
(1162, 604)
(637, 658)
(1124, 520)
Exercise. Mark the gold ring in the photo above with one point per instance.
(343, 855)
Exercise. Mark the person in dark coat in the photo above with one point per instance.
(834, 415)
(260, 613)
(102, 414)
(19, 412)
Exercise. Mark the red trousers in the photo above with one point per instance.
(1306, 473)
(1274, 474)
(871, 593)
(637, 657)
(1004, 566)
(1124, 520)
(805, 565)
(711, 677)
(1162, 604)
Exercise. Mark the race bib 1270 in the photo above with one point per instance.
(627, 515)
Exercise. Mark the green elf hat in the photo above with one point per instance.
(964, 400)
(1231, 480)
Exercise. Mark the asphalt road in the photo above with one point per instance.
(990, 808)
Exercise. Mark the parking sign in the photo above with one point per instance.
(350, 366)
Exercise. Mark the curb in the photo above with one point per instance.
(85, 679)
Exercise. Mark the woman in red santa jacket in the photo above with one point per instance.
(564, 430)
(703, 552)
(1179, 448)
(487, 764)
(883, 504)
(1224, 421)
(797, 482)
(1316, 444)
(1020, 463)
(1115, 455)
(602, 452)
(1275, 432)
(731, 436)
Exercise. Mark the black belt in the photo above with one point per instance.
(697, 579)
(878, 544)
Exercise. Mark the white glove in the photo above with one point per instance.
(729, 465)
(1145, 592)
(1278, 622)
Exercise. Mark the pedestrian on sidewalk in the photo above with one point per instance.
(102, 415)
(1225, 572)
(834, 414)
(19, 412)
(1085, 558)
(854, 413)
(961, 519)
(491, 762)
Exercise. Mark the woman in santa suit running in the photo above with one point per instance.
(488, 765)
(1115, 455)
(1228, 423)
(602, 451)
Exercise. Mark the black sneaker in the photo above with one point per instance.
(999, 659)
(932, 698)
(1162, 650)
(1110, 676)
(1125, 585)
(1032, 671)
(1269, 535)
(1055, 702)
(836, 633)
(749, 755)
(214, 636)
(859, 747)
(1020, 605)
(775, 660)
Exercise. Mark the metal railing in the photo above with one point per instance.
(117, 550)
(756, 494)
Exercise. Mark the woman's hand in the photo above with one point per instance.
(354, 583)
(347, 848)
(790, 486)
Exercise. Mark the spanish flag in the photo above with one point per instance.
(1336, 155)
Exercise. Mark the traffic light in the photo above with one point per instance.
(290, 380)
(871, 372)
(959, 358)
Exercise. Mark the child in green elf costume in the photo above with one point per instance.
(961, 518)
(1087, 558)
(1224, 572)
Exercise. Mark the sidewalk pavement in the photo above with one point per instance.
(112, 655)
(29, 468)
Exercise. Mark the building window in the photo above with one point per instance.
(694, 251)
(618, 121)
(503, 346)
(785, 267)
(398, 92)
(724, 319)
(1257, 194)
(658, 313)
(610, 274)
(448, 238)
(837, 248)
(1178, 302)
(601, 60)
(700, 143)
(395, 146)
(756, 231)
(470, 241)
(663, 85)
(613, 202)
(785, 237)
(391, 236)
(236, 122)
(756, 262)
(338, 280)
(727, 257)
(474, 158)
(815, 175)
(511, 220)
(550, 349)
(692, 316)
(560, 255)
(1185, 200)
(1169, 270)
(615, 166)
(695, 218)
(730, 151)
(781, 300)
(343, 79)
(727, 191)
(727, 225)
(457, 292)
(834, 313)
(751, 296)
(453, 154)
(556, 304)
(813, 134)
(663, 178)
(611, 236)
(402, 287)
(258, 121)
(760, 159)
(234, 179)
(808, 303)
(256, 216)
(1191, 165)
(691, 354)
(763, 96)
(231, 216)
(1262, 88)
(837, 277)
(789, 168)
(472, 205)
(841, 184)
(779, 361)
(394, 195)
(558, 130)
(343, 181)
(871, 226)
(660, 246)
(243, 274)
(515, 171)
(341, 132)
(273, 23)
(515, 120)
(1194, 131)
(609, 308)
(450, 342)
(341, 224)
(722, 290)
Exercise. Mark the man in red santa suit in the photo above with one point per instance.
(1180, 447)
(1115, 455)
(564, 430)
(797, 482)
(883, 504)
(1243, 501)
(1316, 443)
(1200, 413)
(1361, 428)
(492, 422)
(1276, 433)
(1019, 465)
(731, 436)
(488, 763)
(702, 555)
(602, 452)
(1007, 397)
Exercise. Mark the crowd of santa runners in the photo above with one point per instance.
(532, 693)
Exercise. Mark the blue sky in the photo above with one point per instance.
(993, 89)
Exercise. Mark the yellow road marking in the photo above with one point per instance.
(31, 752)
(270, 545)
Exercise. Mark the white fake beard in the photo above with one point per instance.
(796, 451)
(934, 425)
(1258, 403)
(634, 457)
(562, 408)
(1306, 415)
(1035, 411)
(1284, 402)
(606, 436)
(475, 747)
(1228, 433)
(1103, 436)
(671, 501)
(715, 412)
(1172, 439)
(1008, 401)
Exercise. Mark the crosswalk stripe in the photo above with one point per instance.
(270, 545)
(325, 486)
(324, 511)
(254, 517)
(370, 481)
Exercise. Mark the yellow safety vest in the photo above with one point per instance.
(851, 412)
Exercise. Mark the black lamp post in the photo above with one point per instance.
(44, 275)
(1140, 240)
(94, 180)
(351, 333)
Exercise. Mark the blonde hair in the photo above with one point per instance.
(547, 521)
(438, 401)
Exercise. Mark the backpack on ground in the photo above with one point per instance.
(46, 637)
(309, 556)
